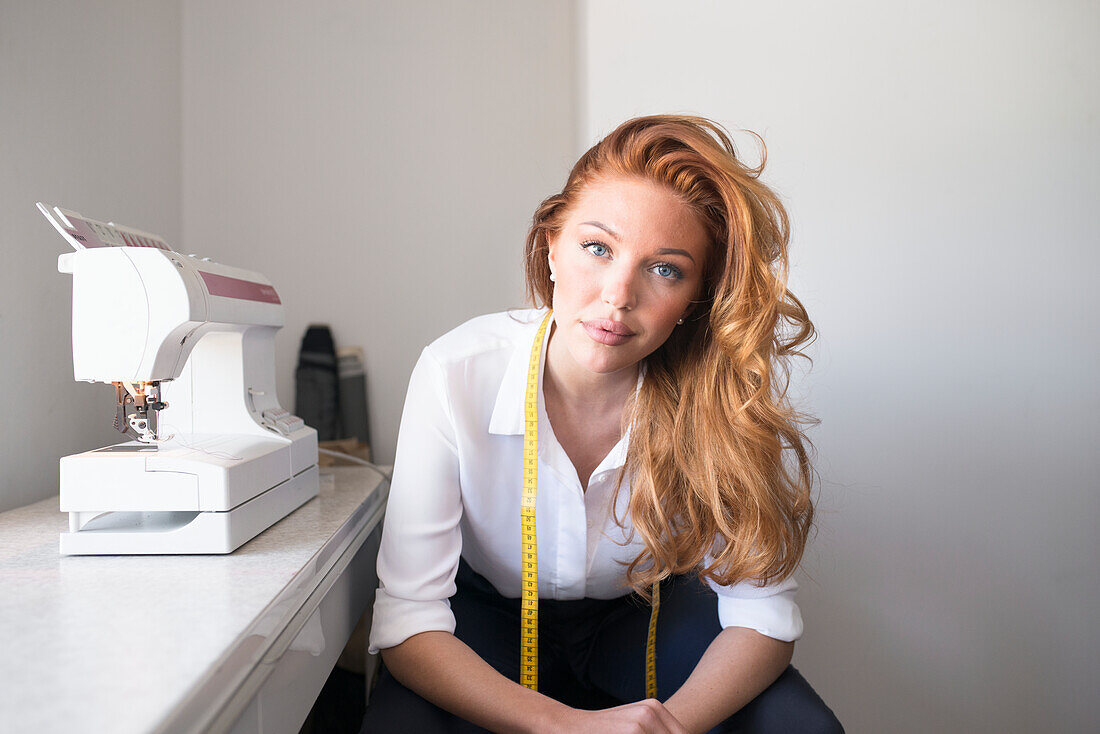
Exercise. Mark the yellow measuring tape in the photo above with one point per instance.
(529, 608)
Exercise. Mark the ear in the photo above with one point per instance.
(551, 248)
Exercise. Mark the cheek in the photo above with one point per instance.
(666, 313)
(673, 308)
(575, 288)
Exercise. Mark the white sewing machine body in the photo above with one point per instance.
(193, 342)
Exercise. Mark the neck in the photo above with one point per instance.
(582, 390)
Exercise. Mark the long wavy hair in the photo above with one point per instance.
(720, 469)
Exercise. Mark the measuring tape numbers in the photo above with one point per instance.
(529, 606)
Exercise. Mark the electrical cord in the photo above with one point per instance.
(354, 459)
(174, 438)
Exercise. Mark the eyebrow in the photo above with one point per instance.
(604, 227)
(675, 251)
(662, 251)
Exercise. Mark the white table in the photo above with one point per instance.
(236, 643)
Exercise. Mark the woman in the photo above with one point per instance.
(652, 390)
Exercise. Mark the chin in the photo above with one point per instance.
(598, 360)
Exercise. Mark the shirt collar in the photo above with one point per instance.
(508, 418)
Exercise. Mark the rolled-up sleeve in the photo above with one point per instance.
(770, 610)
(421, 540)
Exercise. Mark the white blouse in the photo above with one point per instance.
(457, 480)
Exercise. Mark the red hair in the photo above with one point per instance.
(720, 472)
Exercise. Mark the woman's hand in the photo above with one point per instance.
(649, 717)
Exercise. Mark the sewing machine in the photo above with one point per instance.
(189, 346)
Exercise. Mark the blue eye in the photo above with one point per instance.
(586, 245)
(668, 271)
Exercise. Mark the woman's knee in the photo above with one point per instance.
(393, 707)
(788, 705)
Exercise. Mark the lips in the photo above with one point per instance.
(605, 331)
(615, 327)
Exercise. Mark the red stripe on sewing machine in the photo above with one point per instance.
(223, 285)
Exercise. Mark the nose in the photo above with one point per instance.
(618, 290)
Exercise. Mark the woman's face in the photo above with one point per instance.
(627, 263)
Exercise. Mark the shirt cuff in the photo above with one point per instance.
(770, 610)
(396, 620)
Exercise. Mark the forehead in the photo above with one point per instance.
(641, 211)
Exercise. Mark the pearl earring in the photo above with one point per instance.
(679, 321)
(552, 278)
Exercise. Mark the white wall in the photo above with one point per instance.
(379, 162)
(89, 120)
(942, 166)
